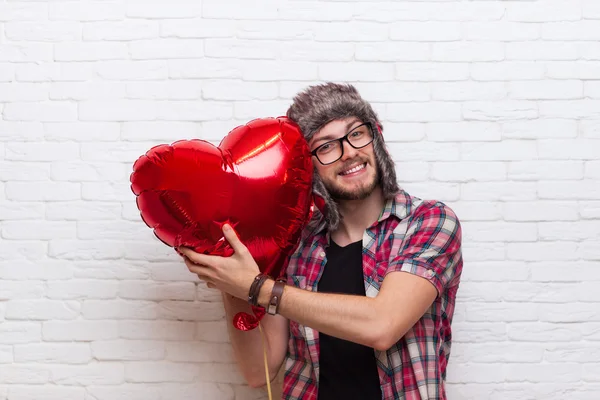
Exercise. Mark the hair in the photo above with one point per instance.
(320, 104)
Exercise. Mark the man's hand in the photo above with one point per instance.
(233, 275)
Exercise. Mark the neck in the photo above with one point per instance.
(357, 216)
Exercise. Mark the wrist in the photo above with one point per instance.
(265, 293)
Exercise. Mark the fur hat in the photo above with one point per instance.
(318, 105)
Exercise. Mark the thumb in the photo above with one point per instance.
(233, 239)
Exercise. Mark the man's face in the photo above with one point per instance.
(354, 176)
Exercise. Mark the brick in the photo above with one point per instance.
(591, 9)
(141, 290)
(7, 72)
(540, 129)
(590, 128)
(23, 92)
(581, 69)
(82, 289)
(499, 312)
(463, 131)
(49, 392)
(212, 68)
(75, 211)
(541, 51)
(393, 51)
(166, 49)
(434, 111)
(240, 49)
(541, 211)
(446, 192)
(592, 169)
(14, 332)
(503, 110)
(366, 71)
(500, 353)
(589, 209)
(79, 331)
(80, 172)
(168, 90)
(500, 31)
(118, 309)
(555, 10)
(246, 110)
(478, 210)
(431, 31)
(190, 311)
(43, 191)
(21, 131)
(193, 110)
(199, 352)
(33, 266)
(120, 31)
(86, 91)
(422, 151)
(579, 230)
(506, 150)
(536, 90)
(222, 373)
(42, 310)
(499, 231)
(25, 52)
(550, 271)
(579, 149)
(24, 374)
(589, 250)
(86, 12)
(313, 11)
(570, 108)
(542, 251)
(112, 230)
(16, 210)
(503, 191)
(104, 373)
(404, 132)
(37, 230)
(151, 372)
(543, 332)
(75, 51)
(100, 270)
(468, 171)
(160, 10)
(66, 353)
(47, 111)
(128, 350)
(476, 373)
(6, 356)
(207, 28)
(563, 372)
(85, 249)
(42, 32)
(430, 71)
(54, 72)
(22, 11)
(544, 170)
(21, 290)
(478, 331)
(573, 312)
(569, 190)
(467, 51)
(317, 51)
(24, 171)
(157, 330)
(460, 91)
(507, 70)
(571, 30)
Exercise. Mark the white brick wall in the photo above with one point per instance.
(491, 106)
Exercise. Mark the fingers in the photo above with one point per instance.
(233, 239)
(203, 272)
(197, 258)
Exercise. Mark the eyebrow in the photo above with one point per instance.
(331, 137)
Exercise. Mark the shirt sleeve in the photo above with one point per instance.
(431, 247)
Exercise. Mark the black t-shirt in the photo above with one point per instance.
(347, 370)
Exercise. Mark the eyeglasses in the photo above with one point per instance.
(330, 152)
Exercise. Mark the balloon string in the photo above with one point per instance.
(264, 341)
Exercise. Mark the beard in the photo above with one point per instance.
(338, 193)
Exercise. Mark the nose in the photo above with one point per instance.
(349, 151)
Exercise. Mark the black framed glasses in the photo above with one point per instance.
(331, 151)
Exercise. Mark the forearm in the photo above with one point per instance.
(349, 317)
(248, 345)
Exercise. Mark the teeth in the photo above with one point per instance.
(357, 168)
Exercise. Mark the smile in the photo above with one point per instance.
(354, 169)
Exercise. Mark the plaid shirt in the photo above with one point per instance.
(412, 235)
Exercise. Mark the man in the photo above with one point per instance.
(368, 305)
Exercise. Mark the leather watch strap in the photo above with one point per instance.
(276, 295)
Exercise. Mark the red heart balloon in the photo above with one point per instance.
(259, 180)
